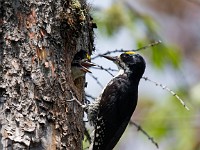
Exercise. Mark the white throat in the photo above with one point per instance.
(121, 71)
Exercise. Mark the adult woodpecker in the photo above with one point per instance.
(80, 64)
(111, 112)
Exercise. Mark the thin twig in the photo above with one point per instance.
(95, 78)
(122, 50)
(87, 101)
(107, 53)
(90, 96)
(102, 68)
(168, 89)
(87, 135)
(105, 69)
(149, 45)
(139, 128)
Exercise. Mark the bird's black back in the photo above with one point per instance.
(118, 102)
(115, 116)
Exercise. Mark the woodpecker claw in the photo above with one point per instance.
(79, 103)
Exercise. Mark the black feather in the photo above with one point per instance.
(117, 104)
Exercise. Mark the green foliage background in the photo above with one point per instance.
(167, 121)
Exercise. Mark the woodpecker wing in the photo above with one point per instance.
(120, 101)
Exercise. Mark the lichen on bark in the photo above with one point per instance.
(38, 40)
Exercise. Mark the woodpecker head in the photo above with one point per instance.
(80, 64)
(130, 62)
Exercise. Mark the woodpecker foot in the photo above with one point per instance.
(79, 103)
(73, 98)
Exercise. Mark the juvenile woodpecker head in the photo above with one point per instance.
(80, 64)
(130, 62)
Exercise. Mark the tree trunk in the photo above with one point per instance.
(38, 40)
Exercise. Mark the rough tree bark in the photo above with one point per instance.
(38, 39)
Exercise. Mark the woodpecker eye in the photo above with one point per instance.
(125, 57)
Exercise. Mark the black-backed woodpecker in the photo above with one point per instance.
(111, 112)
(80, 64)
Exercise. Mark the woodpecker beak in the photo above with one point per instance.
(84, 69)
(85, 65)
(114, 59)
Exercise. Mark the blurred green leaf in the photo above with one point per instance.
(113, 19)
(168, 120)
(85, 143)
(161, 55)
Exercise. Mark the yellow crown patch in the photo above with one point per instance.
(130, 52)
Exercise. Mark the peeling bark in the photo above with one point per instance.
(38, 40)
